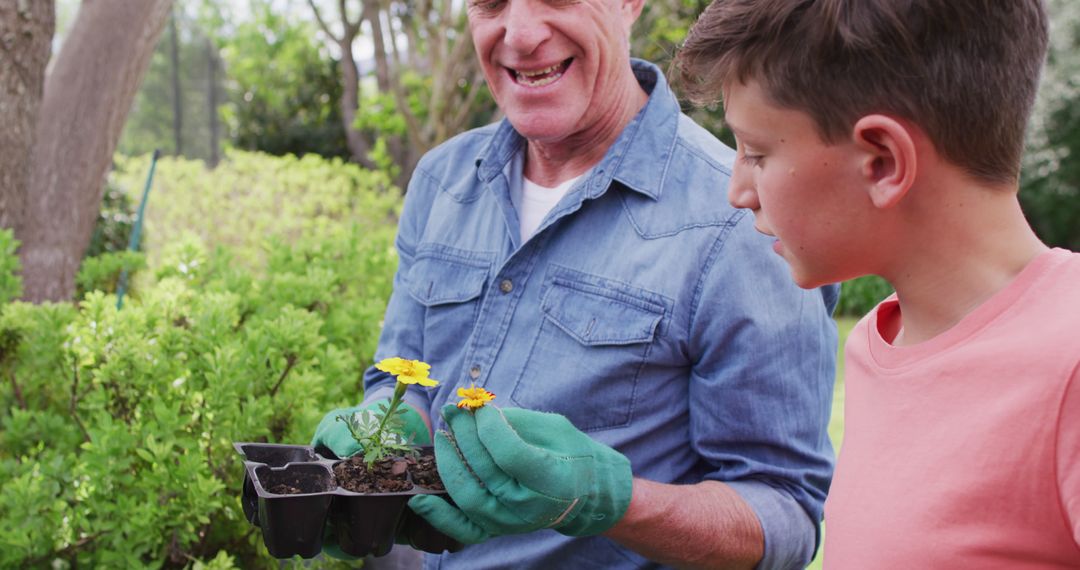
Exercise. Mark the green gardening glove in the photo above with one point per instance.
(333, 435)
(513, 471)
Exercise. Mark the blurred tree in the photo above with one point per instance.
(282, 87)
(657, 35)
(177, 105)
(428, 85)
(22, 79)
(73, 119)
(1050, 185)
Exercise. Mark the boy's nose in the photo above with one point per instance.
(741, 192)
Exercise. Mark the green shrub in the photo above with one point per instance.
(116, 426)
(112, 231)
(103, 272)
(10, 282)
(859, 296)
(250, 197)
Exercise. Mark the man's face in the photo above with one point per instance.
(554, 66)
(801, 190)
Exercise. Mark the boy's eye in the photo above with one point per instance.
(752, 159)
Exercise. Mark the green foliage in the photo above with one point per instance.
(1050, 184)
(285, 90)
(252, 196)
(378, 433)
(150, 123)
(10, 282)
(116, 426)
(112, 232)
(858, 296)
(102, 273)
(657, 35)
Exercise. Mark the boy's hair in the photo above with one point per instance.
(965, 71)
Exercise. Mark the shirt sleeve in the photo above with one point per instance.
(403, 322)
(764, 355)
(1068, 454)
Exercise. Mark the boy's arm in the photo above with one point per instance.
(1068, 454)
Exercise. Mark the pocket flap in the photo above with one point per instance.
(438, 281)
(597, 319)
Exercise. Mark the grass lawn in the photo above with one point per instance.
(836, 422)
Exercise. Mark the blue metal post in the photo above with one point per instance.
(136, 232)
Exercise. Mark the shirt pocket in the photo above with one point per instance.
(593, 342)
(449, 286)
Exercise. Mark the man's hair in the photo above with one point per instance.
(964, 71)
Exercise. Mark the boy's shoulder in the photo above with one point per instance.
(1061, 279)
(1039, 310)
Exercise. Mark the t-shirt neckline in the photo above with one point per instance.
(885, 355)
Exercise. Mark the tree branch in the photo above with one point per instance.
(69, 549)
(412, 125)
(290, 361)
(18, 391)
(322, 23)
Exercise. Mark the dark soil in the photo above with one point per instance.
(285, 489)
(297, 483)
(386, 476)
(425, 473)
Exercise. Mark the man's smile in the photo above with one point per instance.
(539, 77)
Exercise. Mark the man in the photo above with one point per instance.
(578, 258)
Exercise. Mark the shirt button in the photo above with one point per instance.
(506, 286)
(474, 372)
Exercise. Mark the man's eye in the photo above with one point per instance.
(487, 5)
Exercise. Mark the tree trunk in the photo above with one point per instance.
(350, 79)
(350, 102)
(87, 98)
(26, 31)
(177, 96)
(212, 100)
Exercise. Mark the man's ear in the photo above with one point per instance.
(891, 161)
(631, 10)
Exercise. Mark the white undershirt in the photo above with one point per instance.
(536, 202)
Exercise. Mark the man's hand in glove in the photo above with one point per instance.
(333, 435)
(513, 471)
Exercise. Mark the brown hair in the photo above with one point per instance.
(965, 71)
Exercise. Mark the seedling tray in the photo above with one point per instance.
(291, 494)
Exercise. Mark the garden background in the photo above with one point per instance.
(253, 301)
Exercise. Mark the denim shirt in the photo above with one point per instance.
(645, 309)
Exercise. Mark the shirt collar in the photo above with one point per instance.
(637, 162)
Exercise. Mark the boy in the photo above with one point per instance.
(885, 138)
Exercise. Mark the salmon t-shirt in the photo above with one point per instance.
(964, 451)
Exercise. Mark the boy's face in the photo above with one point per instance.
(803, 191)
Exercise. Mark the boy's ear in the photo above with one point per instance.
(890, 161)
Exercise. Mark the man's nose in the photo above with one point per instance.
(526, 28)
(741, 191)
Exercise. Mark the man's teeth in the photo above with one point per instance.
(539, 77)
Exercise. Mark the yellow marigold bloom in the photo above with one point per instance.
(408, 371)
(473, 398)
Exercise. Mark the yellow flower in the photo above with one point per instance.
(408, 371)
(473, 398)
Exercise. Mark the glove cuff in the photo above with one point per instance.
(612, 488)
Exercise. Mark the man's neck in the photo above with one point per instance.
(973, 241)
(549, 163)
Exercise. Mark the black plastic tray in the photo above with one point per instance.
(293, 524)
